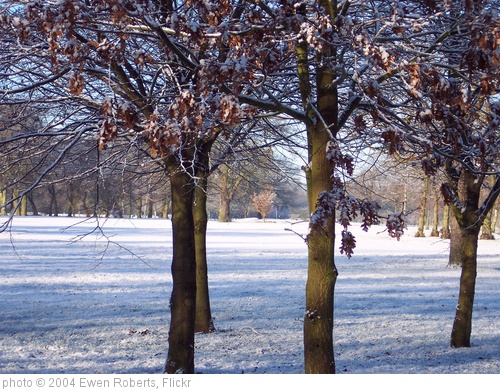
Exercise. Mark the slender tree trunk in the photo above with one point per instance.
(204, 322)
(139, 208)
(3, 200)
(164, 208)
(180, 357)
(225, 195)
(150, 209)
(15, 194)
(224, 210)
(488, 228)
(435, 215)
(423, 208)
(469, 216)
(462, 325)
(32, 203)
(53, 209)
(24, 206)
(445, 230)
(322, 272)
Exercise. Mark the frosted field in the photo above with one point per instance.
(99, 304)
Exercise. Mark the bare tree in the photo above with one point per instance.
(263, 201)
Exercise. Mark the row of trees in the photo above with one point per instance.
(184, 83)
(132, 188)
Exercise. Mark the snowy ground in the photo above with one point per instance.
(69, 306)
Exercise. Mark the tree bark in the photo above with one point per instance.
(462, 325)
(3, 200)
(435, 215)
(53, 209)
(225, 195)
(322, 272)
(32, 203)
(445, 230)
(203, 319)
(24, 206)
(423, 208)
(488, 228)
(469, 216)
(180, 357)
(224, 210)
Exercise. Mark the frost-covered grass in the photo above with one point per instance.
(65, 307)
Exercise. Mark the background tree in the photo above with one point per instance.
(423, 209)
(263, 201)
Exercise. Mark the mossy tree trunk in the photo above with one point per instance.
(321, 272)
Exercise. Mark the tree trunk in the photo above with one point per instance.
(462, 325)
(445, 230)
(150, 208)
(24, 206)
(488, 229)
(180, 358)
(138, 207)
(32, 203)
(322, 272)
(423, 208)
(469, 216)
(435, 215)
(3, 200)
(164, 209)
(224, 210)
(53, 209)
(225, 195)
(203, 322)
(455, 256)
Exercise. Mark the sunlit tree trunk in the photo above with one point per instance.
(423, 208)
(455, 257)
(24, 206)
(435, 215)
(3, 200)
(321, 272)
(225, 196)
(488, 228)
(445, 229)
